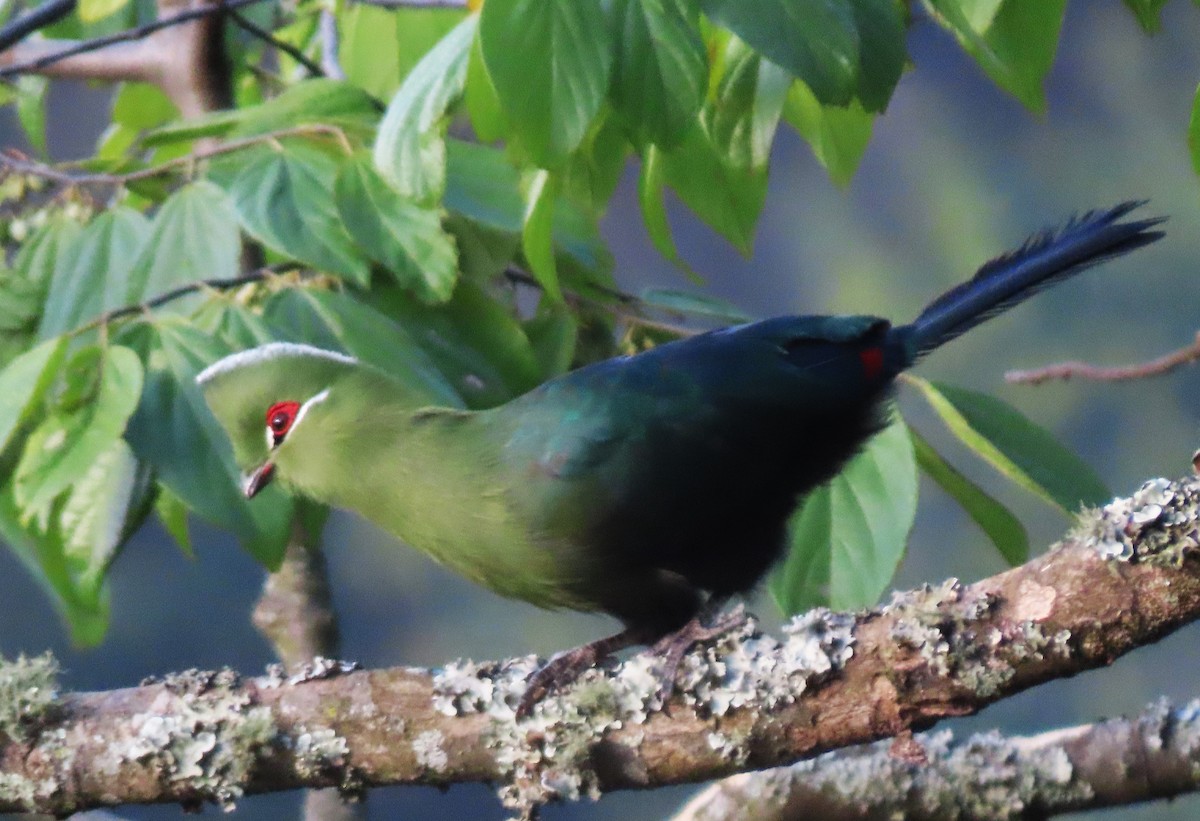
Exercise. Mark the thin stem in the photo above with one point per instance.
(137, 33)
(1082, 370)
(296, 54)
(26, 166)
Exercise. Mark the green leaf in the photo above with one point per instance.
(336, 321)
(882, 51)
(553, 333)
(47, 250)
(43, 554)
(96, 278)
(848, 536)
(92, 10)
(193, 236)
(1001, 526)
(1028, 455)
(838, 136)
(483, 106)
(61, 449)
(549, 61)
(660, 70)
(31, 109)
(1148, 13)
(483, 186)
(404, 238)
(285, 200)
(1013, 41)
(102, 508)
(815, 40)
(1193, 132)
(172, 513)
(692, 304)
(654, 211)
(369, 54)
(174, 431)
(727, 197)
(537, 240)
(24, 382)
(410, 149)
(742, 117)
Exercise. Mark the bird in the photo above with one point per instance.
(652, 487)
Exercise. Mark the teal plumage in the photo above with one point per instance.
(641, 486)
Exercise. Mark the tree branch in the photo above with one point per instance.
(1126, 576)
(33, 20)
(296, 54)
(1082, 370)
(1108, 764)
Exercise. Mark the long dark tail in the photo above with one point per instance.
(1045, 259)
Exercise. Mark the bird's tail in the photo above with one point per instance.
(1045, 258)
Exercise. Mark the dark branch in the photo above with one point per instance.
(416, 4)
(128, 35)
(34, 20)
(296, 54)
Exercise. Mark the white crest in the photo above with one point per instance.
(265, 353)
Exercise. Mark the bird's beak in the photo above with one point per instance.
(257, 479)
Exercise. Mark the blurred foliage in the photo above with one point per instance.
(388, 239)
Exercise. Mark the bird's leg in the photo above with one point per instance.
(568, 665)
(674, 646)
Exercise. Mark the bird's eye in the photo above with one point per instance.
(280, 418)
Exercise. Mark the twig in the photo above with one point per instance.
(37, 18)
(1108, 764)
(296, 54)
(416, 4)
(1127, 576)
(1082, 370)
(23, 165)
(137, 33)
(327, 27)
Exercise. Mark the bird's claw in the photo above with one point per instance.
(674, 646)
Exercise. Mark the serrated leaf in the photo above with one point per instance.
(369, 52)
(48, 248)
(654, 211)
(172, 514)
(97, 514)
(727, 197)
(193, 236)
(285, 200)
(62, 448)
(96, 279)
(483, 186)
(549, 61)
(24, 381)
(1014, 42)
(174, 431)
(537, 239)
(660, 69)
(838, 136)
(848, 536)
(1028, 455)
(994, 519)
(404, 238)
(410, 147)
(815, 40)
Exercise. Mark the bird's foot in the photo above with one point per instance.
(674, 646)
(568, 665)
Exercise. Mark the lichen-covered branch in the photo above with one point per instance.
(987, 776)
(1125, 577)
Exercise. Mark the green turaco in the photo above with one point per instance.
(651, 487)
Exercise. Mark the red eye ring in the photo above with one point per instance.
(280, 418)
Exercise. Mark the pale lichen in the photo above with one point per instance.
(28, 694)
(202, 730)
(549, 755)
(427, 747)
(1157, 524)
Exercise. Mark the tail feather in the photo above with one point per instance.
(1046, 258)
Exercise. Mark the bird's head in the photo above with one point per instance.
(274, 402)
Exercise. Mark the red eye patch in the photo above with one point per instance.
(280, 418)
